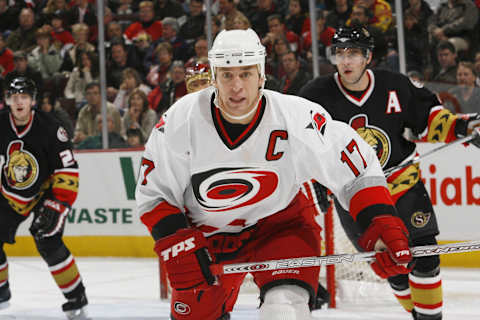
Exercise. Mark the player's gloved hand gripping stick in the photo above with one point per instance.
(387, 232)
(49, 218)
(186, 259)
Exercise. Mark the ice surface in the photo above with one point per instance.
(120, 288)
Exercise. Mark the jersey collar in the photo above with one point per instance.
(366, 94)
(222, 132)
(25, 130)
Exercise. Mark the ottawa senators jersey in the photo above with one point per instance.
(389, 105)
(36, 158)
(191, 165)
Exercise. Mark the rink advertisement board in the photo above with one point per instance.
(104, 221)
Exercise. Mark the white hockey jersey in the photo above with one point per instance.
(191, 164)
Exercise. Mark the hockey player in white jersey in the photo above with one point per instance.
(221, 180)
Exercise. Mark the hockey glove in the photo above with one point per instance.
(49, 219)
(186, 259)
(476, 137)
(467, 124)
(389, 232)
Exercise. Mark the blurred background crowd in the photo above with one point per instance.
(156, 52)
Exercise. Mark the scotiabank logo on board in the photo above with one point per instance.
(452, 190)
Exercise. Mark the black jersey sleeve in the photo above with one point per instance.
(419, 107)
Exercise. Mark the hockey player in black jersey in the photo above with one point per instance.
(39, 176)
(380, 106)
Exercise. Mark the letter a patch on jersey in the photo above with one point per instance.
(393, 105)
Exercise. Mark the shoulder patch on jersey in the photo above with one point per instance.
(319, 122)
(160, 126)
(62, 134)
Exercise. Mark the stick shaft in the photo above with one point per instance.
(426, 154)
(420, 251)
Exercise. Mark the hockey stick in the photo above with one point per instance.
(420, 251)
(417, 158)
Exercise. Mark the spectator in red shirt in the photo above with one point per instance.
(297, 18)
(276, 28)
(146, 23)
(60, 36)
(6, 58)
(324, 37)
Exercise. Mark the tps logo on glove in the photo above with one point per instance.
(400, 253)
(185, 246)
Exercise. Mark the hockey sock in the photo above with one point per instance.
(401, 291)
(427, 296)
(3, 268)
(62, 266)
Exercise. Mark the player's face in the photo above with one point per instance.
(351, 64)
(238, 88)
(21, 107)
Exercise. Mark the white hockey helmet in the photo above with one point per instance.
(237, 48)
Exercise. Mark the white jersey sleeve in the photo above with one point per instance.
(164, 169)
(340, 159)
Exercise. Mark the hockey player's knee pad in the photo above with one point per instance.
(285, 302)
(52, 249)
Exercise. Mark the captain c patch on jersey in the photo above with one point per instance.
(224, 189)
(21, 168)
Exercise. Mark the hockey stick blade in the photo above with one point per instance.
(417, 158)
(420, 251)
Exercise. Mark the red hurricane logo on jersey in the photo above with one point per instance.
(374, 136)
(226, 189)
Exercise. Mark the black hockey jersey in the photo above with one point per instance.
(35, 159)
(381, 113)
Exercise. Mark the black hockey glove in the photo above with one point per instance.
(49, 218)
(476, 137)
(322, 196)
(466, 124)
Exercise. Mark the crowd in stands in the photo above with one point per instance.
(151, 45)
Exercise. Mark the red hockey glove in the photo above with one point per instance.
(49, 219)
(186, 259)
(392, 233)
